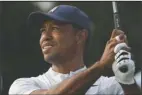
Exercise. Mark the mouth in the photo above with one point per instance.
(46, 47)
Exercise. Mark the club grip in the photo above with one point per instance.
(116, 21)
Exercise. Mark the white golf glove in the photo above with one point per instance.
(123, 59)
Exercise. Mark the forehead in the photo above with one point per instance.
(53, 22)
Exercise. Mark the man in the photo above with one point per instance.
(64, 33)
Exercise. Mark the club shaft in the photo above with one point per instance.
(116, 16)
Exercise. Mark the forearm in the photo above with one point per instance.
(77, 84)
(131, 89)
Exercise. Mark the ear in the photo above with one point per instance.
(81, 36)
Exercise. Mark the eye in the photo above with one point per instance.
(42, 30)
(55, 28)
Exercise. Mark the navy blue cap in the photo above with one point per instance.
(63, 13)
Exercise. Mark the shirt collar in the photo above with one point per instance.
(59, 76)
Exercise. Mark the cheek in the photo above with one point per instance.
(42, 37)
(40, 41)
(66, 41)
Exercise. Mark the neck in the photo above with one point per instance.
(73, 64)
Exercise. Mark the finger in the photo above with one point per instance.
(111, 40)
(116, 32)
(119, 32)
(122, 37)
(112, 43)
(113, 34)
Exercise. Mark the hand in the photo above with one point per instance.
(123, 59)
(108, 56)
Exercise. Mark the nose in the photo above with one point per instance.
(47, 34)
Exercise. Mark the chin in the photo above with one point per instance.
(51, 57)
(47, 57)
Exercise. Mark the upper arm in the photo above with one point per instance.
(23, 86)
(39, 92)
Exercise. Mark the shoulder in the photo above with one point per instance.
(27, 85)
(21, 86)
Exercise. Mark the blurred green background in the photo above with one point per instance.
(20, 54)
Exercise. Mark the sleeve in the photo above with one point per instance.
(111, 87)
(23, 86)
(117, 89)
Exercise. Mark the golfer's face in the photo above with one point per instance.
(58, 40)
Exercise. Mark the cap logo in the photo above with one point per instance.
(52, 10)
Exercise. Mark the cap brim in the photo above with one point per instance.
(37, 18)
